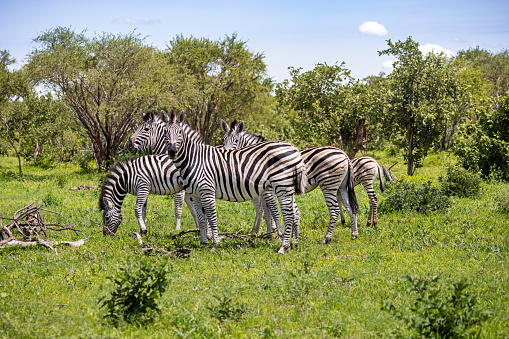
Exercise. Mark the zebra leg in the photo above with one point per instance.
(270, 200)
(340, 203)
(353, 216)
(373, 203)
(202, 218)
(190, 204)
(333, 205)
(140, 209)
(296, 223)
(287, 209)
(258, 210)
(208, 200)
(178, 199)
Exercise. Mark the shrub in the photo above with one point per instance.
(422, 198)
(502, 201)
(135, 293)
(460, 182)
(225, 309)
(435, 315)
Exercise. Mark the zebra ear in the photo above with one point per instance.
(224, 126)
(240, 127)
(181, 117)
(172, 118)
(163, 116)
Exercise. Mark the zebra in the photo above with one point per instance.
(149, 137)
(237, 175)
(150, 174)
(366, 170)
(326, 166)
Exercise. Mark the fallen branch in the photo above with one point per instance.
(10, 242)
(182, 253)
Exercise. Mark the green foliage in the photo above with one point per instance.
(435, 315)
(460, 182)
(136, 290)
(228, 81)
(406, 195)
(225, 309)
(424, 90)
(483, 145)
(502, 201)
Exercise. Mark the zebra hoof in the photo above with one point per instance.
(281, 250)
(355, 235)
(143, 233)
(325, 241)
(203, 242)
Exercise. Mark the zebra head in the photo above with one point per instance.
(111, 218)
(231, 139)
(173, 134)
(149, 134)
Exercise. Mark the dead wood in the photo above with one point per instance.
(182, 253)
(83, 188)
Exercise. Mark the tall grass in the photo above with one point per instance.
(319, 291)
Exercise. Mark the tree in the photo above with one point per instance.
(104, 80)
(424, 90)
(228, 78)
(13, 88)
(483, 144)
(331, 108)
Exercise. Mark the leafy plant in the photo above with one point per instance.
(226, 309)
(135, 293)
(422, 198)
(435, 315)
(460, 182)
(502, 201)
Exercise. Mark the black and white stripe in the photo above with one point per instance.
(237, 175)
(326, 166)
(150, 174)
(149, 137)
(366, 170)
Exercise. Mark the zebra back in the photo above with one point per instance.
(366, 170)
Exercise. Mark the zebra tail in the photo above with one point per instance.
(351, 190)
(301, 180)
(387, 174)
(380, 176)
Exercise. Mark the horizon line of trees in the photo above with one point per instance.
(93, 88)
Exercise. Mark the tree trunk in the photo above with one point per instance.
(410, 155)
(357, 144)
(6, 129)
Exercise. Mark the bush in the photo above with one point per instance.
(502, 201)
(422, 198)
(460, 182)
(135, 293)
(483, 145)
(225, 309)
(433, 315)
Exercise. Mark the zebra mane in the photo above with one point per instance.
(112, 176)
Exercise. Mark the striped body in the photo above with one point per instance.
(151, 174)
(366, 170)
(238, 175)
(148, 137)
(327, 167)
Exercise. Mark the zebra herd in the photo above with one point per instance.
(246, 167)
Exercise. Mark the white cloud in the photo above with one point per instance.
(131, 21)
(373, 28)
(432, 48)
(388, 64)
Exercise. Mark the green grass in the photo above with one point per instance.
(315, 290)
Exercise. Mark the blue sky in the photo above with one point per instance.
(289, 33)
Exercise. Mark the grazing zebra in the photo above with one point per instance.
(366, 170)
(326, 166)
(150, 174)
(237, 175)
(149, 137)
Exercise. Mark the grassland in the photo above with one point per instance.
(316, 291)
